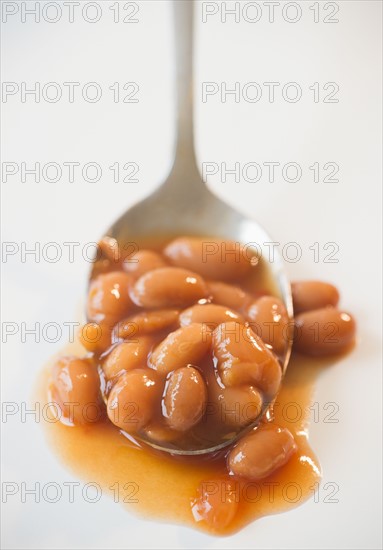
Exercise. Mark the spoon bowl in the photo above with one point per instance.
(183, 205)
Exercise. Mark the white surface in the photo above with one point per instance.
(347, 213)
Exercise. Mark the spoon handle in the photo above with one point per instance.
(183, 43)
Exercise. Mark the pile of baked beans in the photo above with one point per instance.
(180, 353)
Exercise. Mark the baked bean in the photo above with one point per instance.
(186, 359)
(260, 453)
(325, 331)
(160, 434)
(132, 400)
(108, 257)
(269, 320)
(187, 345)
(76, 389)
(168, 287)
(237, 406)
(224, 260)
(228, 295)
(126, 356)
(108, 298)
(211, 315)
(95, 337)
(308, 295)
(109, 250)
(216, 503)
(142, 262)
(243, 358)
(185, 399)
(145, 322)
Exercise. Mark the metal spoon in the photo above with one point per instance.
(183, 205)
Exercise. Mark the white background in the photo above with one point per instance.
(346, 212)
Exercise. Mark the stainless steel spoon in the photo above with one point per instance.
(183, 205)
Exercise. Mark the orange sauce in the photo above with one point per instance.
(158, 486)
(162, 487)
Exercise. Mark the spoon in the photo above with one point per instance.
(183, 205)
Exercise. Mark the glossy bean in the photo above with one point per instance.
(159, 433)
(243, 358)
(323, 332)
(228, 295)
(237, 406)
(145, 322)
(108, 298)
(211, 315)
(142, 262)
(108, 257)
(109, 250)
(168, 287)
(216, 503)
(268, 318)
(187, 345)
(185, 399)
(95, 337)
(76, 389)
(126, 356)
(133, 399)
(308, 295)
(262, 452)
(213, 259)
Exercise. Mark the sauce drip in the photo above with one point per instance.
(159, 486)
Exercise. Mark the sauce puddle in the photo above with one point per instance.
(160, 487)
